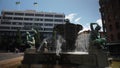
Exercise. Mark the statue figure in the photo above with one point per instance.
(96, 45)
(37, 38)
(95, 36)
(30, 40)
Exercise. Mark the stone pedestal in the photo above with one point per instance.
(30, 50)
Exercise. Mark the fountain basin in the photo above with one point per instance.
(72, 58)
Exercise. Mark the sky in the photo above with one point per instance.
(81, 12)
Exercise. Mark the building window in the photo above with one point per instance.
(110, 27)
(7, 17)
(36, 19)
(50, 20)
(17, 23)
(4, 27)
(14, 23)
(29, 14)
(30, 19)
(48, 29)
(58, 20)
(8, 13)
(59, 16)
(112, 37)
(27, 23)
(118, 36)
(15, 28)
(5, 22)
(38, 24)
(40, 28)
(117, 25)
(19, 13)
(48, 24)
(18, 18)
(39, 15)
(41, 19)
(48, 15)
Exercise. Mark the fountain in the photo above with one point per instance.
(65, 54)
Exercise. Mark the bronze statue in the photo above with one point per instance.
(30, 40)
(95, 38)
(96, 45)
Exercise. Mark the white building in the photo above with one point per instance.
(10, 21)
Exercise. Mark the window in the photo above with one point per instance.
(7, 17)
(5, 22)
(58, 15)
(118, 36)
(36, 19)
(14, 23)
(29, 14)
(27, 23)
(48, 24)
(50, 20)
(39, 15)
(110, 27)
(112, 37)
(15, 27)
(19, 13)
(48, 15)
(58, 20)
(41, 19)
(117, 25)
(30, 19)
(18, 18)
(8, 13)
(40, 24)
(36, 24)
(17, 23)
(40, 28)
(48, 29)
(4, 27)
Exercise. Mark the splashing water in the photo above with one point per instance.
(44, 41)
(82, 42)
(59, 43)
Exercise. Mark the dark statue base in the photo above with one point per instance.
(79, 60)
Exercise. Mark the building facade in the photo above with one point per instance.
(110, 13)
(26, 20)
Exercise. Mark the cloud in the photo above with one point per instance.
(70, 16)
(77, 20)
(73, 18)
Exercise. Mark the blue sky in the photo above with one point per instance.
(78, 11)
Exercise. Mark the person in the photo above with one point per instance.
(16, 50)
(30, 40)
